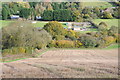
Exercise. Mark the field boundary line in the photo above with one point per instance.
(37, 55)
(25, 58)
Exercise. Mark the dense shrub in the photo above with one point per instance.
(23, 34)
(65, 44)
(113, 31)
(118, 38)
(62, 44)
(107, 15)
(71, 35)
(51, 44)
(17, 50)
(56, 30)
(88, 41)
(78, 44)
(109, 40)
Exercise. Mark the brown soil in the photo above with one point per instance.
(66, 64)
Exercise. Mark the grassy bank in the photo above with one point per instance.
(109, 22)
(113, 46)
(4, 23)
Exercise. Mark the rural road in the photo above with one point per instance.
(65, 64)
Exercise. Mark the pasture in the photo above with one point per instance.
(4, 23)
(104, 4)
(109, 22)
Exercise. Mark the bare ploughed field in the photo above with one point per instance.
(66, 64)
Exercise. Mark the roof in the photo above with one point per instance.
(38, 17)
(14, 16)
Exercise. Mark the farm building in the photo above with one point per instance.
(38, 17)
(69, 24)
(78, 26)
(14, 16)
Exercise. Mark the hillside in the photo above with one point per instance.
(97, 4)
(109, 22)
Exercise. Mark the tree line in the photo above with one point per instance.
(57, 11)
(57, 15)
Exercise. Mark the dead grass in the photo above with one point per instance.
(66, 64)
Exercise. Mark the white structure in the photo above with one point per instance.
(38, 17)
(34, 22)
(78, 26)
(14, 16)
(69, 24)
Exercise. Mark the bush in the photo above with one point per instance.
(64, 44)
(59, 37)
(78, 44)
(22, 34)
(118, 38)
(51, 44)
(107, 15)
(21, 50)
(88, 41)
(113, 31)
(28, 50)
(17, 50)
(6, 52)
(109, 40)
(71, 35)
(56, 30)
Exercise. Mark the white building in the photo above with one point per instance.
(14, 16)
(78, 26)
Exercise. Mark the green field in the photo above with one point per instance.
(39, 24)
(97, 4)
(4, 23)
(42, 23)
(109, 22)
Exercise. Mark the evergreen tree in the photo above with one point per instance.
(15, 8)
(47, 15)
(25, 13)
(4, 14)
(57, 15)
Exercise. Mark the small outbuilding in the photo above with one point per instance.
(38, 17)
(14, 16)
(78, 26)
